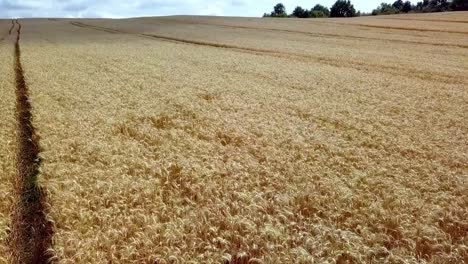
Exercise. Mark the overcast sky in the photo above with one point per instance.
(135, 8)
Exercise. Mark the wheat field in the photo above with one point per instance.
(7, 137)
(243, 140)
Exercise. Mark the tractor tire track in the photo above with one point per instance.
(425, 20)
(357, 65)
(9, 31)
(12, 27)
(407, 29)
(327, 35)
(108, 30)
(31, 236)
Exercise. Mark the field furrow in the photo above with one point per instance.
(31, 232)
(329, 35)
(360, 65)
(12, 27)
(394, 58)
(317, 26)
(3, 29)
(422, 19)
(409, 28)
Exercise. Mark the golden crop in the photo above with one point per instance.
(202, 140)
(7, 136)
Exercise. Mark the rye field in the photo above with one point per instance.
(234, 140)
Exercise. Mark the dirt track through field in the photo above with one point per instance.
(358, 65)
(31, 235)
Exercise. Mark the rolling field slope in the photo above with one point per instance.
(211, 139)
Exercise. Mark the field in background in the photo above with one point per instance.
(181, 139)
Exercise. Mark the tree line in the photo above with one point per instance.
(426, 6)
(341, 8)
(344, 8)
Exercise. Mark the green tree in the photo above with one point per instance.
(320, 8)
(385, 9)
(398, 4)
(279, 10)
(317, 14)
(342, 8)
(425, 3)
(437, 6)
(407, 7)
(460, 5)
(419, 6)
(300, 12)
